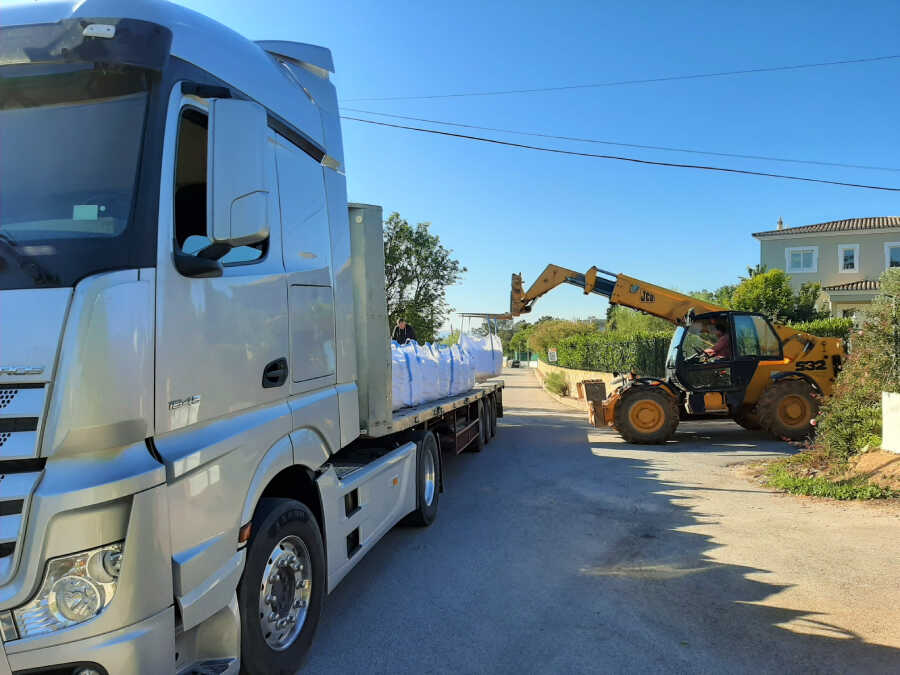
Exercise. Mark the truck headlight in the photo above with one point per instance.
(76, 588)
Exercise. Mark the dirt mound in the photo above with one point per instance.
(879, 466)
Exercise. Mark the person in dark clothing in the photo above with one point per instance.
(403, 332)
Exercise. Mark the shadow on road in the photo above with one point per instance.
(553, 554)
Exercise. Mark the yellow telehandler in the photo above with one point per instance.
(720, 362)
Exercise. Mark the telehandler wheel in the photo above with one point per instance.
(281, 592)
(646, 415)
(787, 408)
(746, 416)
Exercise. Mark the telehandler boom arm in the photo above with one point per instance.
(620, 289)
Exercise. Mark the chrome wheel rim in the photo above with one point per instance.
(284, 592)
(430, 481)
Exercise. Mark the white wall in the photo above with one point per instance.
(890, 414)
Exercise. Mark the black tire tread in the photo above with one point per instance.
(768, 407)
(633, 394)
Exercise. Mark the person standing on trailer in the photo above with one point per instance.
(403, 332)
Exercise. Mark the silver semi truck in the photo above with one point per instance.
(197, 440)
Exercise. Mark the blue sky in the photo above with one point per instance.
(505, 210)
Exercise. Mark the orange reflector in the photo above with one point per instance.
(396, 481)
(244, 533)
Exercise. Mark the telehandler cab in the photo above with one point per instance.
(720, 362)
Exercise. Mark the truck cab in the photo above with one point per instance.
(183, 476)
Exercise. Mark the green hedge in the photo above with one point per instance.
(830, 327)
(644, 353)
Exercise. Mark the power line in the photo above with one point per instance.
(625, 145)
(619, 83)
(634, 160)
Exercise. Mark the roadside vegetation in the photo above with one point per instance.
(849, 422)
(556, 382)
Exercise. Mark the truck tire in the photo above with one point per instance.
(282, 589)
(787, 408)
(428, 480)
(488, 407)
(493, 418)
(478, 445)
(746, 416)
(646, 415)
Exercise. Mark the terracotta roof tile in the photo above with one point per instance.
(853, 286)
(848, 225)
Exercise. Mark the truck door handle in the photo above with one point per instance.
(275, 374)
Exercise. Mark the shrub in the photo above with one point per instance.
(830, 327)
(557, 383)
(851, 419)
(547, 334)
(644, 353)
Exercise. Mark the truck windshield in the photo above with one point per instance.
(70, 144)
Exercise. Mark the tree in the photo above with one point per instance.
(721, 296)
(770, 293)
(757, 269)
(626, 320)
(547, 334)
(417, 271)
(518, 343)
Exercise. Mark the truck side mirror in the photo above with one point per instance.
(237, 195)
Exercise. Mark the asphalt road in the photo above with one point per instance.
(560, 549)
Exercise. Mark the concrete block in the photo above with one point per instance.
(890, 421)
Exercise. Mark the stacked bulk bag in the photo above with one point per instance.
(462, 371)
(428, 369)
(486, 354)
(406, 377)
(443, 356)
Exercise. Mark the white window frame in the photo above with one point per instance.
(843, 247)
(887, 252)
(794, 249)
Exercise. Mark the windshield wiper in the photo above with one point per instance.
(36, 271)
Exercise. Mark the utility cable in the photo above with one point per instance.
(634, 160)
(624, 145)
(619, 83)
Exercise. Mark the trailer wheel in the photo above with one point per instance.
(428, 479)
(478, 445)
(486, 429)
(493, 411)
(282, 589)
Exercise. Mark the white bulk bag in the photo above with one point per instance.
(462, 372)
(406, 376)
(429, 367)
(443, 357)
(486, 354)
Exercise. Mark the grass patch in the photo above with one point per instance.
(783, 475)
(556, 382)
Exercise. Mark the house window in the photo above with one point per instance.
(802, 259)
(848, 258)
(892, 254)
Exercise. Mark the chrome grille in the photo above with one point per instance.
(21, 415)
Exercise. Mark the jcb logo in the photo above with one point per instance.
(647, 296)
(811, 365)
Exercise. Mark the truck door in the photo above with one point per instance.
(220, 340)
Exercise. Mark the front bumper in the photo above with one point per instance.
(145, 647)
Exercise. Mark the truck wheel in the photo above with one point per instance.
(746, 416)
(646, 415)
(478, 445)
(493, 411)
(428, 480)
(787, 408)
(487, 420)
(282, 589)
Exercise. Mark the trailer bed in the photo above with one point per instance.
(406, 418)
